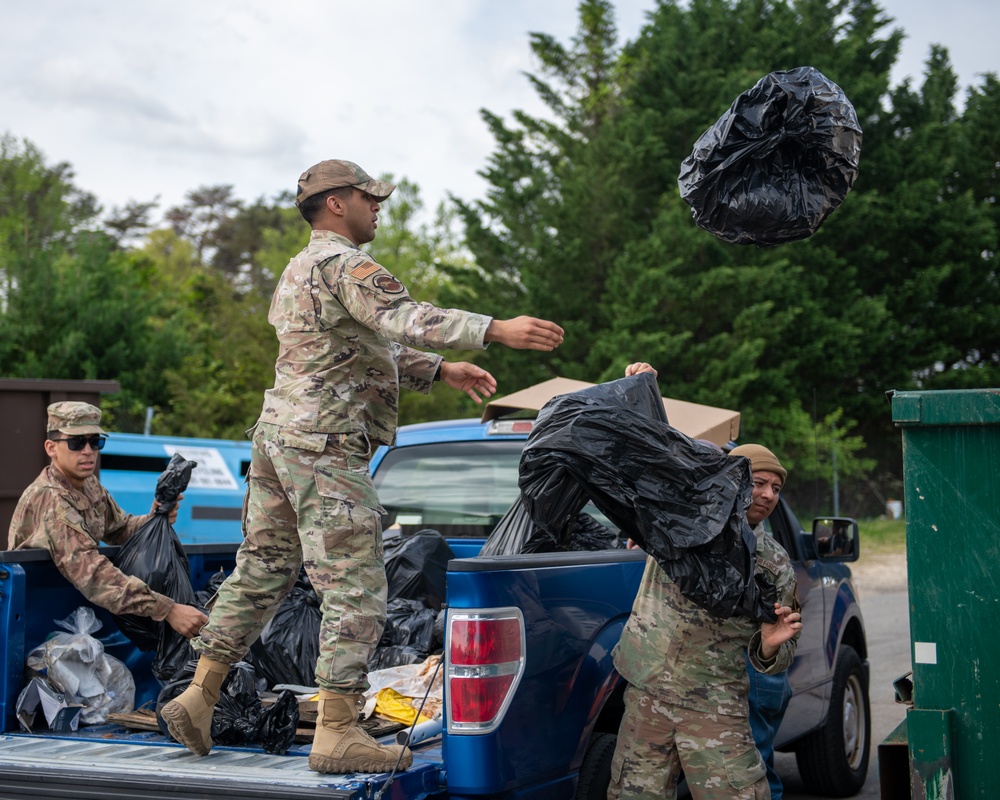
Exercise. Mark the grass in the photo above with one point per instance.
(882, 535)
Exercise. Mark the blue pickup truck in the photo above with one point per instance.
(532, 702)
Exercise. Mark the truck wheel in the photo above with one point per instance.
(833, 761)
(595, 771)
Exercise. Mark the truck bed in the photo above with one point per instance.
(110, 762)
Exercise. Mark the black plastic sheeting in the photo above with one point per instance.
(682, 501)
(777, 163)
(240, 717)
(517, 533)
(155, 555)
(416, 566)
(288, 647)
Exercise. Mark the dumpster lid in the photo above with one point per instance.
(717, 425)
(946, 407)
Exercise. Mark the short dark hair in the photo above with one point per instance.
(311, 207)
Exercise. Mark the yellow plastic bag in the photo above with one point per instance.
(392, 705)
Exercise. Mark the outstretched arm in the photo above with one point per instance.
(468, 378)
(525, 333)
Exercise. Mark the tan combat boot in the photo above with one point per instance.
(189, 715)
(342, 746)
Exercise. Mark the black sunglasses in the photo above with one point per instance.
(96, 442)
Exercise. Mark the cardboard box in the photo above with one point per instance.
(717, 425)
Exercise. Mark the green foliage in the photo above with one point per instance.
(882, 535)
(583, 224)
(74, 305)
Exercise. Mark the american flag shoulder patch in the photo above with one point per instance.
(362, 271)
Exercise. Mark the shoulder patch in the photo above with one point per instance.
(387, 283)
(768, 565)
(362, 271)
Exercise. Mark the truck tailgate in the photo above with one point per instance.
(92, 767)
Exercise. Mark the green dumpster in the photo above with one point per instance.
(951, 476)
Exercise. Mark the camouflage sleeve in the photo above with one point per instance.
(378, 301)
(76, 555)
(783, 576)
(781, 661)
(416, 368)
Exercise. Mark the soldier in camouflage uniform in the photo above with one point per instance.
(67, 512)
(347, 329)
(769, 692)
(686, 700)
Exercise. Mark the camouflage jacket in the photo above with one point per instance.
(346, 332)
(70, 523)
(676, 650)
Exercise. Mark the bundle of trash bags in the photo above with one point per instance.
(684, 502)
(777, 163)
(240, 716)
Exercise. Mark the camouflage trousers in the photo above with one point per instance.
(658, 741)
(310, 503)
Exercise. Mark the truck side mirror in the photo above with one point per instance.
(836, 539)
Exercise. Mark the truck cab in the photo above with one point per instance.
(460, 477)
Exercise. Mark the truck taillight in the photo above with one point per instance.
(485, 661)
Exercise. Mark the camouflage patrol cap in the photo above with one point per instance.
(334, 174)
(74, 418)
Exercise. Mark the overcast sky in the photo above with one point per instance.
(154, 98)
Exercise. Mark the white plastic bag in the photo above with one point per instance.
(76, 665)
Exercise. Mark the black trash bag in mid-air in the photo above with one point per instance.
(777, 163)
(682, 501)
(155, 555)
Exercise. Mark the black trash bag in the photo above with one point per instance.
(416, 566)
(589, 534)
(777, 163)
(682, 501)
(278, 723)
(288, 647)
(172, 482)
(240, 717)
(204, 595)
(516, 533)
(409, 622)
(439, 630)
(155, 555)
(395, 656)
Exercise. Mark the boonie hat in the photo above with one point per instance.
(761, 459)
(74, 418)
(334, 174)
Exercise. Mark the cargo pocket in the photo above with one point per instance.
(350, 519)
(745, 769)
(360, 628)
(301, 440)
